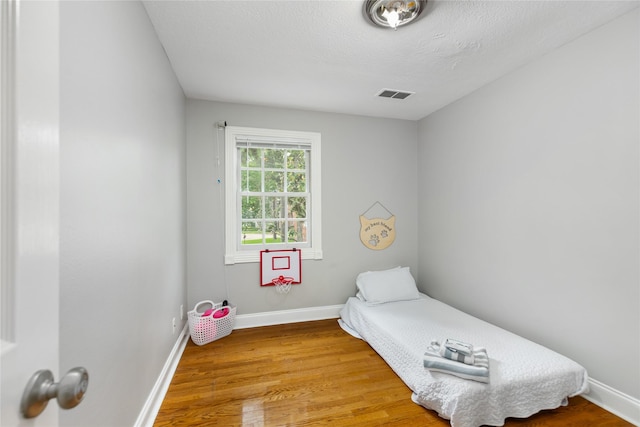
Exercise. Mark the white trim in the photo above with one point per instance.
(8, 20)
(151, 407)
(287, 316)
(614, 401)
(254, 256)
(232, 254)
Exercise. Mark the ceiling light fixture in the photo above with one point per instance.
(393, 13)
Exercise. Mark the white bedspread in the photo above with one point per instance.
(525, 377)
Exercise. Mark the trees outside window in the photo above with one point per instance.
(274, 195)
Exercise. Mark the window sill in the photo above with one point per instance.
(254, 256)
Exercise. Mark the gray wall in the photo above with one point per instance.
(122, 231)
(364, 160)
(529, 205)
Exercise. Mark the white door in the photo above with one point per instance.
(30, 192)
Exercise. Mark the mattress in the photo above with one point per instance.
(525, 377)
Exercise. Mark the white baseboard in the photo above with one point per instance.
(614, 401)
(151, 407)
(287, 316)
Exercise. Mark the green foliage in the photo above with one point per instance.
(268, 176)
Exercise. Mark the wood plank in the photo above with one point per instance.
(312, 374)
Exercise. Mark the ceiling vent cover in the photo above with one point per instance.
(395, 94)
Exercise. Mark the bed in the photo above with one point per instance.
(400, 323)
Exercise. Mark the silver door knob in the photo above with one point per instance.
(40, 388)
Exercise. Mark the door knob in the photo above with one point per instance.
(40, 388)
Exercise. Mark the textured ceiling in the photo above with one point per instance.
(322, 55)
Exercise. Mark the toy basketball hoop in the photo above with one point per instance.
(280, 269)
(282, 284)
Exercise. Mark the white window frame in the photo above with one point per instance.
(235, 135)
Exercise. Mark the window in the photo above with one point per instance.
(272, 193)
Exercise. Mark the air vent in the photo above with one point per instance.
(395, 94)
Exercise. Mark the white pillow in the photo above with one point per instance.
(396, 284)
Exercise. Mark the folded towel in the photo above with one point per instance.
(461, 352)
(434, 362)
(448, 353)
(460, 347)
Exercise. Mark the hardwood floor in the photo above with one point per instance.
(311, 374)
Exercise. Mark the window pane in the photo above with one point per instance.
(242, 152)
(296, 159)
(253, 159)
(250, 181)
(296, 182)
(274, 181)
(297, 207)
(274, 207)
(251, 233)
(297, 231)
(274, 158)
(274, 231)
(251, 207)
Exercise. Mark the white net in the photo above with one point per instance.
(282, 284)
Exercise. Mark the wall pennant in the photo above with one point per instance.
(375, 232)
